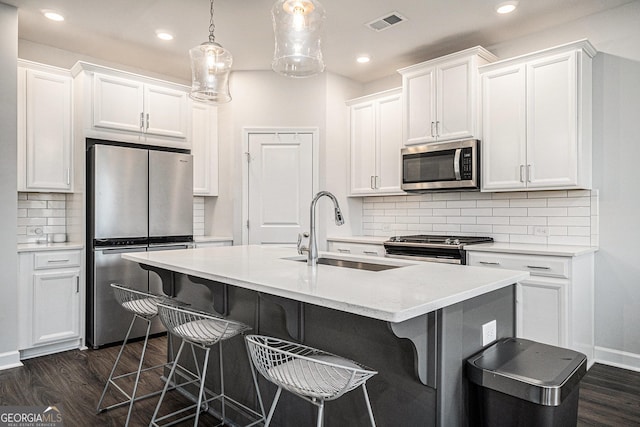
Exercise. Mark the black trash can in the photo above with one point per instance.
(518, 382)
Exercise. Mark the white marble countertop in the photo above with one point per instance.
(376, 240)
(203, 239)
(392, 295)
(36, 247)
(532, 249)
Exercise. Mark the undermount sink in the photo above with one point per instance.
(347, 263)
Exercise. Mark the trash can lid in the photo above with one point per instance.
(540, 373)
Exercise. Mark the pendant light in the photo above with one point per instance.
(210, 68)
(297, 25)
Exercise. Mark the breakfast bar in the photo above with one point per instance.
(413, 322)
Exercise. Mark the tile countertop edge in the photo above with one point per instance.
(532, 249)
(37, 247)
(261, 278)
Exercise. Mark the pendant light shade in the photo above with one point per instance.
(210, 68)
(298, 26)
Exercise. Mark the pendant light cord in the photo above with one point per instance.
(212, 26)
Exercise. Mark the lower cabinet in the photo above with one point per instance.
(49, 298)
(556, 304)
(355, 248)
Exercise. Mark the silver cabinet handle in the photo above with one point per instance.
(489, 263)
(68, 176)
(529, 173)
(432, 126)
(77, 284)
(147, 126)
(58, 260)
(372, 184)
(537, 267)
(141, 121)
(370, 252)
(521, 173)
(377, 181)
(437, 126)
(344, 251)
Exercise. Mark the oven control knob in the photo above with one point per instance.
(456, 242)
(447, 241)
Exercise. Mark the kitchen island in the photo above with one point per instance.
(415, 323)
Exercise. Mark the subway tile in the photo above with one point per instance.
(373, 212)
(547, 211)
(446, 196)
(367, 205)
(51, 229)
(420, 197)
(510, 229)
(474, 195)
(546, 194)
(395, 212)
(32, 221)
(528, 220)
(502, 220)
(580, 211)
(511, 195)
(399, 227)
(576, 221)
(579, 193)
(557, 231)
(385, 219)
(446, 212)
(476, 212)
(407, 205)
(420, 212)
(369, 199)
(46, 196)
(493, 203)
(449, 228)
(22, 230)
(433, 220)
(384, 205)
(367, 218)
(22, 196)
(408, 219)
(510, 211)
(579, 231)
(461, 219)
(56, 221)
(461, 204)
(570, 240)
(527, 238)
(22, 213)
(394, 199)
(32, 204)
(476, 228)
(420, 228)
(503, 238)
(528, 203)
(433, 205)
(570, 202)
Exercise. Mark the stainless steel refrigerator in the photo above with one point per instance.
(138, 199)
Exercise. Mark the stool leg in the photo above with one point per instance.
(135, 385)
(200, 395)
(255, 383)
(320, 421)
(222, 398)
(166, 386)
(273, 406)
(366, 399)
(115, 365)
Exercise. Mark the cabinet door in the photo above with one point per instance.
(47, 156)
(363, 148)
(204, 148)
(541, 312)
(419, 117)
(455, 101)
(552, 141)
(504, 129)
(117, 103)
(165, 111)
(56, 306)
(389, 133)
(356, 248)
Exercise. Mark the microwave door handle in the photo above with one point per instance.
(456, 163)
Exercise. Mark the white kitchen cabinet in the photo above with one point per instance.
(204, 148)
(537, 120)
(376, 141)
(45, 152)
(353, 248)
(49, 302)
(556, 304)
(126, 107)
(440, 101)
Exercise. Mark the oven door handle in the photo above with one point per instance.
(456, 163)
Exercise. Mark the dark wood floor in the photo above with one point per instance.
(74, 380)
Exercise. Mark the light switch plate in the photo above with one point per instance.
(489, 332)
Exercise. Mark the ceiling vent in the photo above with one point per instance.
(394, 18)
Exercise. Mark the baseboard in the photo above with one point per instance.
(10, 359)
(617, 358)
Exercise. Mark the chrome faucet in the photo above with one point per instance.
(312, 251)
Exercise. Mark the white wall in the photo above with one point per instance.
(9, 355)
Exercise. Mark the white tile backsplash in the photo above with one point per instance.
(198, 216)
(546, 217)
(40, 215)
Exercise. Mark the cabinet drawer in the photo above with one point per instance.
(356, 248)
(56, 259)
(536, 265)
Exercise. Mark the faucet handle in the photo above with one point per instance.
(302, 249)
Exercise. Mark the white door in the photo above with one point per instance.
(280, 187)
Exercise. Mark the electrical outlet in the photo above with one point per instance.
(489, 332)
(541, 231)
(386, 227)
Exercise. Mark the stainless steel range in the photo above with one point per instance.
(424, 247)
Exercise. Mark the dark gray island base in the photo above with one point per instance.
(420, 380)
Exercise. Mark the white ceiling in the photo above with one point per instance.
(123, 31)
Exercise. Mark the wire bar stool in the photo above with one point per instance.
(309, 373)
(144, 306)
(202, 330)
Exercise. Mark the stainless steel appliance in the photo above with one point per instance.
(138, 199)
(424, 247)
(442, 166)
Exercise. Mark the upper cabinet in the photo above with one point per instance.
(133, 108)
(537, 120)
(376, 140)
(45, 155)
(440, 101)
(204, 148)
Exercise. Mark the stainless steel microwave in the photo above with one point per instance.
(446, 166)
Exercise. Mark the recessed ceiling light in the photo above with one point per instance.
(506, 7)
(53, 15)
(163, 35)
(363, 59)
